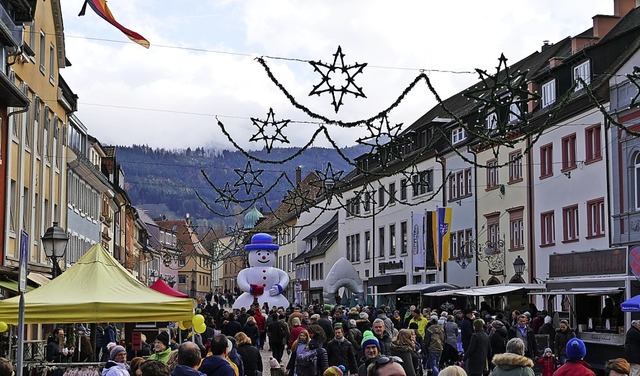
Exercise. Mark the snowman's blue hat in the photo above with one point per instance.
(261, 242)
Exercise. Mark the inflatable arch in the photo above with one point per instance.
(342, 274)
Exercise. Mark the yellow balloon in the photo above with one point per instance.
(198, 320)
(181, 326)
(200, 328)
(186, 324)
(3, 326)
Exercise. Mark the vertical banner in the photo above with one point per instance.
(430, 240)
(417, 242)
(442, 236)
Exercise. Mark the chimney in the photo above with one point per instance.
(545, 45)
(603, 24)
(555, 61)
(298, 174)
(622, 7)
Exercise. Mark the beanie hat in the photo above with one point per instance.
(478, 324)
(363, 316)
(548, 350)
(273, 363)
(115, 351)
(547, 320)
(369, 339)
(576, 349)
(163, 337)
(334, 371)
(352, 323)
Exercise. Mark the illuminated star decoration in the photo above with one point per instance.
(347, 73)
(634, 78)
(248, 177)
(236, 236)
(502, 101)
(227, 195)
(384, 140)
(299, 200)
(328, 180)
(269, 130)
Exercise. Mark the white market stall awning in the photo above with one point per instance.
(497, 289)
(426, 288)
(581, 291)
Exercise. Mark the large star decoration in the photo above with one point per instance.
(348, 73)
(384, 140)
(236, 236)
(501, 97)
(269, 130)
(227, 195)
(248, 177)
(635, 78)
(329, 181)
(299, 200)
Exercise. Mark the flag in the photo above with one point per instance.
(429, 242)
(417, 244)
(442, 234)
(101, 8)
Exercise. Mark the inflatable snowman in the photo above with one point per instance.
(261, 280)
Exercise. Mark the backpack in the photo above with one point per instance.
(284, 331)
(307, 363)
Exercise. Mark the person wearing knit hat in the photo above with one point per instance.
(117, 364)
(575, 365)
(161, 347)
(371, 350)
(475, 356)
(334, 371)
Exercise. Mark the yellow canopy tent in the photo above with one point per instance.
(96, 289)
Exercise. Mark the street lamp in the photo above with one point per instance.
(54, 242)
(519, 265)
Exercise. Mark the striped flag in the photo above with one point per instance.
(417, 235)
(442, 234)
(101, 8)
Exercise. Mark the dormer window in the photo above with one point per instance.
(514, 112)
(549, 93)
(582, 71)
(458, 135)
(491, 122)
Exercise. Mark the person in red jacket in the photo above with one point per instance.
(575, 365)
(548, 362)
(294, 333)
(260, 322)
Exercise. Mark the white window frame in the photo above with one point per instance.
(548, 93)
(458, 135)
(582, 70)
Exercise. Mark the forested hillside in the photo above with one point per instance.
(165, 181)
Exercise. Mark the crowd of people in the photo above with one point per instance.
(366, 341)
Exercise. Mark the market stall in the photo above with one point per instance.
(96, 289)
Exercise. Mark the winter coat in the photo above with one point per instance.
(364, 364)
(475, 357)
(498, 339)
(231, 328)
(293, 335)
(435, 338)
(632, 345)
(422, 324)
(530, 341)
(451, 332)
(237, 360)
(322, 361)
(252, 331)
(54, 354)
(508, 364)
(325, 324)
(181, 370)
(342, 353)
(385, 343)
(162, 356)
(574, 368)
(560, 342)
(120, 369)
(466, 331)
(260, 320)
(216, 365)
(251, 359)
(363, 325)
(548, 364)
(275, 331)
(410, 359)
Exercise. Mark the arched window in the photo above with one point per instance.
(636, 179)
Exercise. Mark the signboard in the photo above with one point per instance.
(24, 258)
(136, 341)
(576, 264)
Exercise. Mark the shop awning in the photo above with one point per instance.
(497, 289)
(581, 291)
(38, 278)
(631, 305)
(425, 288)
(12, 285)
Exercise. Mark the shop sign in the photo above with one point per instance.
(390, 265)
(576, 264)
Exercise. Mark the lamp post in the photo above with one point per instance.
(54, 242)
(519, 265)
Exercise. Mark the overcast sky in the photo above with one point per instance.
(201, 63)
